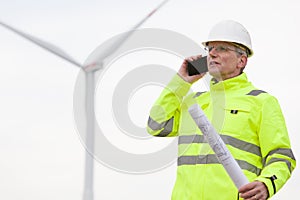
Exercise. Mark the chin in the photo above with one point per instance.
(214, 72)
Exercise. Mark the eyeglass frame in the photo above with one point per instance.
(225, 49)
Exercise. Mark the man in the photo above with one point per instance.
(249, 121)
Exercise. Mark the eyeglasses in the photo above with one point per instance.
(221, 49)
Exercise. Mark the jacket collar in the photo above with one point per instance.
(229, 84)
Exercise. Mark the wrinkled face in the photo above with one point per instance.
(224, 61)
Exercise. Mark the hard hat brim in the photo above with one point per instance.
(249, 49)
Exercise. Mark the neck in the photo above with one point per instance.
(223, 77)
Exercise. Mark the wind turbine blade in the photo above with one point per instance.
(149, 15)
(46, 45)
(96, 64)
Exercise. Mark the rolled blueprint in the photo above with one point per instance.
(217, 144)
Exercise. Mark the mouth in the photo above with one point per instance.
(213, 63)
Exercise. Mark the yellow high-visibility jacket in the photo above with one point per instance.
(249, 121)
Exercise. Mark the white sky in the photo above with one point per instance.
(41, 153)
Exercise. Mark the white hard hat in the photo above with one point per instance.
(230, 31)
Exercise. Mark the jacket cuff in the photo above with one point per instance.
(268, 184)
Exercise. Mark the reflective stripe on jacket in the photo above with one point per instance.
(249, 121)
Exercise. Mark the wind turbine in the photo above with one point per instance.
(89, 69)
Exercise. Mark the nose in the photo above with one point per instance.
(212, 53)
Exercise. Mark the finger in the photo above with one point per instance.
(189, 59)
(197, 77)
(248, 195)
(185, 62)
(192, 58)
(262, 195)
(196, 57)
(247, 187)
(199, 56)
(259, 196)
(254, 197)
(202, 74)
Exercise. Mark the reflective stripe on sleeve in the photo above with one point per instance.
(281, 151)
(167, 126)
(256, 92)
(274, 160)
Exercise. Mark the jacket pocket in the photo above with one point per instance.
(237, 119)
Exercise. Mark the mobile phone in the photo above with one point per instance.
(197, 66)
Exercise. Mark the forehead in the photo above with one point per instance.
(216, 43)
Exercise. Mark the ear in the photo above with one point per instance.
(242, 61)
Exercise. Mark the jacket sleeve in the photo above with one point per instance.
(165, 113)
(278, 158)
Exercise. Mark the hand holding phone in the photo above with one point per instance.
(197, 66)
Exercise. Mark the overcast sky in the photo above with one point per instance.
(42, 156)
